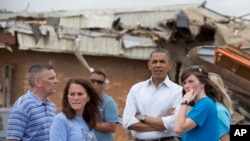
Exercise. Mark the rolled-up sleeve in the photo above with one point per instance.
(169, 121)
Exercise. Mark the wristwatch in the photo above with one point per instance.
(185, 103)
(142, 118)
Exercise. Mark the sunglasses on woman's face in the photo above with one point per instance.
(99, 82)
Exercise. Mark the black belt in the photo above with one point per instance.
(160, 139)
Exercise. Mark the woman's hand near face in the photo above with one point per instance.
(190, 95)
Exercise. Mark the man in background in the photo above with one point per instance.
(109, 111)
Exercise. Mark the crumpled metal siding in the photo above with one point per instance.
(88, 20)
(149, 17)
(100, 46)
(84, 25)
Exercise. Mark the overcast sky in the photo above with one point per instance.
(226, 7)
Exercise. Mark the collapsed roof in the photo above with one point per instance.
(129, 33)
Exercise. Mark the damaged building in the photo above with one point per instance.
(116, 41)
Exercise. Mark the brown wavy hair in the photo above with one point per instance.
(91, 112)
(211, 89)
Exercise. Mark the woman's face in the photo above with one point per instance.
(77, 98)
(192, 82)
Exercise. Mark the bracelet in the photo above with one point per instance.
(185, 103)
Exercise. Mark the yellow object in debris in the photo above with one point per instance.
(40, 22)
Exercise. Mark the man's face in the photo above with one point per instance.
(159, 65)
(48, 82)
(98, 82)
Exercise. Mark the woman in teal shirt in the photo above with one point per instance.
(201, 122)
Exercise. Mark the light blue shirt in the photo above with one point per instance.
(145, 99)
(225, 119)
(109, 112)
(76, 129)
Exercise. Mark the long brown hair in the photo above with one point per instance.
(91, 112)
(210, 88)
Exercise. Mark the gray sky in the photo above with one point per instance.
(226, 7)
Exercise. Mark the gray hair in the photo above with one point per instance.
(35, 71)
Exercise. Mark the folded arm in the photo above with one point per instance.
(106, 127)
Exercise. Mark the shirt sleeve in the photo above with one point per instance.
(111, 111)
(17, 123)
(224, 122)
(130, 111)
(199, 113)
(169, 121)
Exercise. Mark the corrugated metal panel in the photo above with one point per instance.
(98, 46)
(74, 25)
(146, 19)
(134, 41)
(150, 17)
(129, 17)
(215, 16)
(206, 53)
(88, 20)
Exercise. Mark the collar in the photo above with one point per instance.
(36, 99)
(166, 82)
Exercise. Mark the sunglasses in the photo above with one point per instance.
(99, 82)
(196, 68)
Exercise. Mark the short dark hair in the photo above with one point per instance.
(158, 49)
(99, 72)
(35, 70)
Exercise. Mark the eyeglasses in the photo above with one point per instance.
(99, 82)
(196, 68)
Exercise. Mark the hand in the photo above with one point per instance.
(189, 96)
